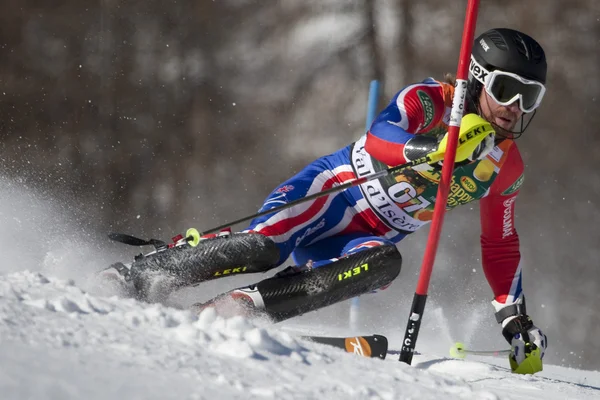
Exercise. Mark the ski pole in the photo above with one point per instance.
(335, 189)
(134, 241)
(458, 104)
(459, 350)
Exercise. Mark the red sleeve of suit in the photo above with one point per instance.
(499, 240)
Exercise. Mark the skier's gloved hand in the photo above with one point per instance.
(483, 148)
(475, 141)
(528, 343)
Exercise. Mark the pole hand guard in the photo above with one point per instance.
(474, 130)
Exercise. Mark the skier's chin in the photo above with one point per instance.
(504, 133)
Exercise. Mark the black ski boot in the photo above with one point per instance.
(157, 275)
(293, 292)
(113, 280)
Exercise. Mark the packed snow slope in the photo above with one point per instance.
(59, 342)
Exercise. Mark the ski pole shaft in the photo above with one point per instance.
(335, 189)
(487, 352)
(459, 350)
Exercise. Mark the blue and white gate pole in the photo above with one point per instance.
(372, 104)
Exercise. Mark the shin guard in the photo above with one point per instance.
(283, 297)
(212, 258)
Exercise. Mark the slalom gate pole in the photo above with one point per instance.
(372, 103)
(458, 104)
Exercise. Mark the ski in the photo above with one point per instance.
(366, 346)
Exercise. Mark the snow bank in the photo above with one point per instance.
(59, 342)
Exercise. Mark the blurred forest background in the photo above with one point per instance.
(148, 117)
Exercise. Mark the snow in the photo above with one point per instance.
(58, 341)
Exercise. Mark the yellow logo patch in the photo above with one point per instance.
(231, 271)
(469, 184)
(353, 272)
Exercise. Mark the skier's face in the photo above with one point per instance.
(505, 117)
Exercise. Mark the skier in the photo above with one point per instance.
(344, 244)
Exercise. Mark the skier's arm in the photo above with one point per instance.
(414, 110)
(502, 267)
(499, 240)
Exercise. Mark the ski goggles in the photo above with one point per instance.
(506, 88)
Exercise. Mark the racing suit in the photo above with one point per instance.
(384, 211)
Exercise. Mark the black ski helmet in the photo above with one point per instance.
(507, 50)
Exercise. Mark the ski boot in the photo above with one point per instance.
(114, 280)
